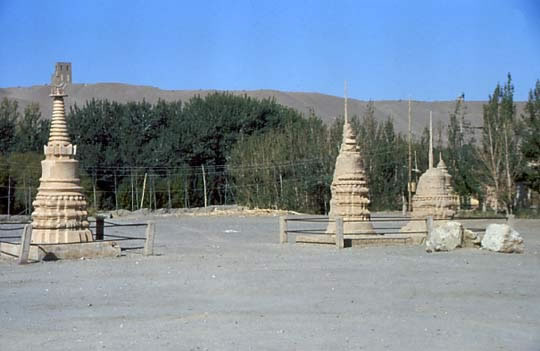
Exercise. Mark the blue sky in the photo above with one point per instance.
(426, 50)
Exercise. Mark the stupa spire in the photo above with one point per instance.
(349, 137)
(59, 132)
(60, 79)
(441, 163)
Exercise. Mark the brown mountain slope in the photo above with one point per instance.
(325, 106)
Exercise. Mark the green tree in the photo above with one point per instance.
(500, 153)
(4, 184)
(531, 142)
(461, 155)
(368, 139)
(8, 118)
(24, 171)
(387, 176)
(287, 167)
(31, 131)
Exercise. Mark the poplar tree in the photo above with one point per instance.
(31, 131)
(500, 145)
(531, 142)
(8, 118)
(461, 153)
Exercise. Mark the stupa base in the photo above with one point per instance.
(353, 227)
(72, 251)
(416, 227)
(57, 236)
(370, 240)
(419, 228)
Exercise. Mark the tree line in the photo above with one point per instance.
(225, 149)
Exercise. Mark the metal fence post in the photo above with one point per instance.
(25, 244)
(150, 235)
(283, 237)
(100, 227)
(340, 242)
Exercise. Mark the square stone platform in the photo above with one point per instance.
(51, 252)
(363, 240)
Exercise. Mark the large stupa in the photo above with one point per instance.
(434, 195)
(60, 228)
(60, 214)
(350, 198)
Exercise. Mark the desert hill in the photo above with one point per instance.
(327, 107)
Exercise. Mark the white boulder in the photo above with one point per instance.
(502, 238)
(471, 239)
(445, 237)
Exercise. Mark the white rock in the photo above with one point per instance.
(445, 237)
(470, 239)
(502, 238)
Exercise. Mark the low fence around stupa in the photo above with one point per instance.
(313, 230)
(15, 239)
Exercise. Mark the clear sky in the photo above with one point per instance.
(426, 50)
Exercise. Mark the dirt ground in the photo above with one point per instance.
(224, 283)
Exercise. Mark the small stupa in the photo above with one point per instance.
(350, 198)
(60, 214)
(434, 196)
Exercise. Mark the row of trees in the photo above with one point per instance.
(21, 137)
(223, 149)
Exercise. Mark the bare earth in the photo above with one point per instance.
(223, 283)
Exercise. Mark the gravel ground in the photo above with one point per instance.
(223, 283)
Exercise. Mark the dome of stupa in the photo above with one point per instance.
(432, 182)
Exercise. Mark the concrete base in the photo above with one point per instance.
(316, 239)
(51, 252)
(414, 226)
(365, 240)
(353, 227)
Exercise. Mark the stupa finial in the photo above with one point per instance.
(349, 137)
(441, 163)
(346, 112)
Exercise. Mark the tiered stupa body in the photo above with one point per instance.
(350, 198)
(60, 214)
(434, 196)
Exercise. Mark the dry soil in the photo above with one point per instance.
(224, 283)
